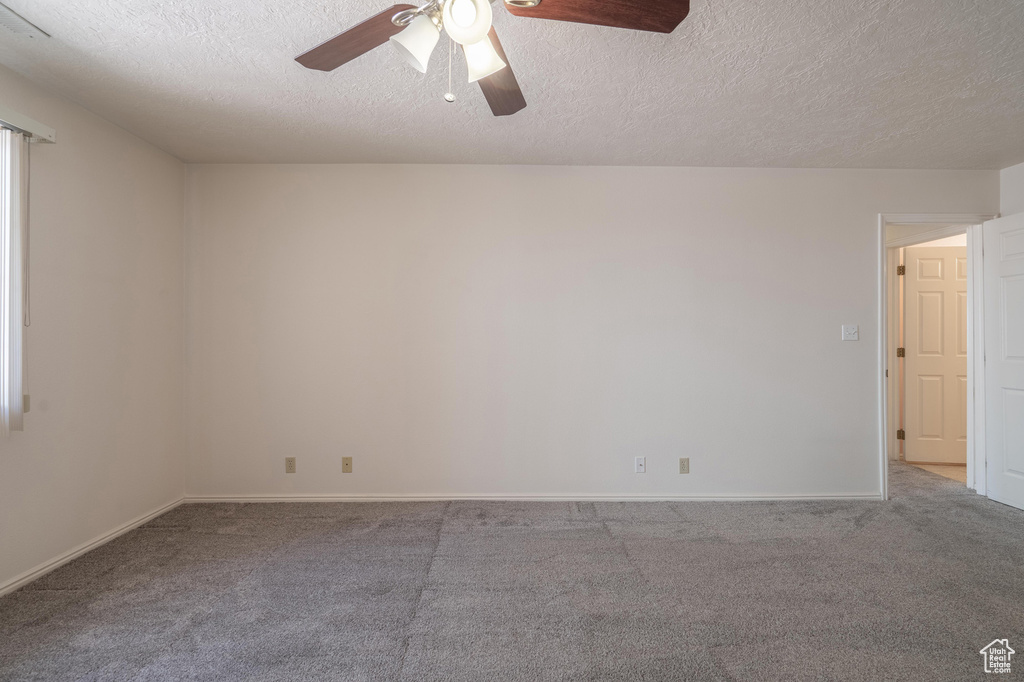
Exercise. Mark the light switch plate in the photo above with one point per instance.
(640, 465)
(851, 332)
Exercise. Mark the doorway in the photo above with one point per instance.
(944, 362)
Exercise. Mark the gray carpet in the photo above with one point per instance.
(907, 589)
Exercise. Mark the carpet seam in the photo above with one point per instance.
(423, 587)
(210, 609)
(648, 589)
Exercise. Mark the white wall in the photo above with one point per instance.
(1011, 190)
(529, 330)
(102, 444)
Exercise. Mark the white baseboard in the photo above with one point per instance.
(196, 499)
(44, 568)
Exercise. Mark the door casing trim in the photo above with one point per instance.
(951, 224)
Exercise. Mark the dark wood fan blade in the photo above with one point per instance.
(501, 89)
(356, 41)
(661, 16)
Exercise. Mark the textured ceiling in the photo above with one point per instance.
(804, 83)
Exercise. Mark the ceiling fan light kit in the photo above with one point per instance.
(417, 42)
(482, 59)
(414, 31)
(466, 21)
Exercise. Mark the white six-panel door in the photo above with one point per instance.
(1004, 358)
(935, 369)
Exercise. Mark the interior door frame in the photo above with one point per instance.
(950, 224)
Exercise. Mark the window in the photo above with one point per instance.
(13, 196)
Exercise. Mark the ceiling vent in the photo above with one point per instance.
(16, 23)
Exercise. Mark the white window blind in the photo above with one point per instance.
(13, 206)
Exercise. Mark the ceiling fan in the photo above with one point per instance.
(414, 31)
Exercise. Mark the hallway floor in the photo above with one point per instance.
(953, 472)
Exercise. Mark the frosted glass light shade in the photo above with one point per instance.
(417, 41)
(483, 59)
(474, 24)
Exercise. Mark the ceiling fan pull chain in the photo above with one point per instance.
(449, 96)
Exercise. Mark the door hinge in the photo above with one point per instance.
(901, 352)
(901, 269)
(901, 435)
